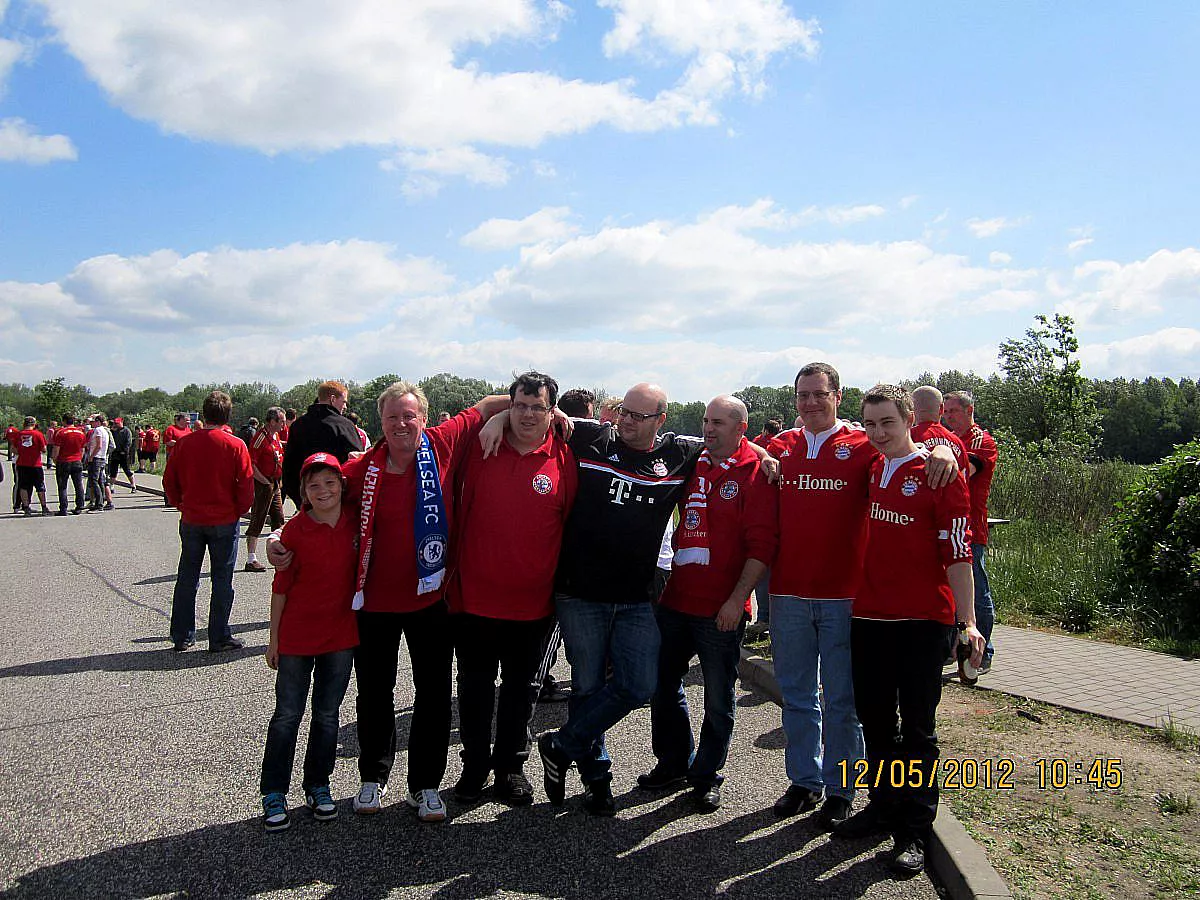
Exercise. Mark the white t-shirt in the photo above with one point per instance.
(100, 442)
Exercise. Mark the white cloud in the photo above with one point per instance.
(999, 258)
(547, 224)
(986, 228)
(1076, 245)
(427, 168)
(19, 143)
(280, 74)
(1170, 352)
(1104, 290)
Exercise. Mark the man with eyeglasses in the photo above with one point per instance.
(824, 470)
(501, 591)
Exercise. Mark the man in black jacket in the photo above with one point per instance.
(322, 428)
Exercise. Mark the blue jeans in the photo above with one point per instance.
(595, 634)
(807, 636)
(985, 610)
(221, 542)
(330, 674)
(683, 637)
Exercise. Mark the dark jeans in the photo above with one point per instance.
(684, 637)
(221, 543)
(595, 634)
(330, 674)
(482, 646)
(431, 652)
(897, 687)
(72, 471)
(97, 480)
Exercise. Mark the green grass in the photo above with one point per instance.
(1177, 736)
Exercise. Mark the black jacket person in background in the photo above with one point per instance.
(322, 428)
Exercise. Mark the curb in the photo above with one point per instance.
(958, 862)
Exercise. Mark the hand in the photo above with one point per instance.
(730, 614)
(491, 435)
(770, 468)
(978, 645)
(278, 555)
(273, 653)
(941, 468)
(561, 423)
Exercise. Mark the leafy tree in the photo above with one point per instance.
(10, 415)
(452, 394)
(53, 399)
(366, 404)
(1044, 398)
(1158, 535)
(764, 403)
(851, 406)
(685, 418)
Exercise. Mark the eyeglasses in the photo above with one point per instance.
(407, 418)
(819, 396)
(536, 409)
(636, 416)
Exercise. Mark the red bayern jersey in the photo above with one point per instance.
(266, 452)
(173, 435)
(510, 511)
(150, 440)
(70, 441)
(392, 577)
(741, 514)
(983, 452)
(30, 444)
(208, 477)
(915, 533)
(822, 511)
(319, 585)
(931, 434)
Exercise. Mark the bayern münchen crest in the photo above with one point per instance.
(542, 483)
(910, 485)
(842, 451)
(660, 468)
(729, 490)
(691, 520)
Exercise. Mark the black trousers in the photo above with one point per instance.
(897, 687)
(431, 653)
(483, 646)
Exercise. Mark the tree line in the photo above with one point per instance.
(1039, 400)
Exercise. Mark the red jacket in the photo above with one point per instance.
(209, 479)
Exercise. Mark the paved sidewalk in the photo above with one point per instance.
(1123, 683)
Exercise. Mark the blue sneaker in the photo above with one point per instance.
(275, 813)
(321, 803)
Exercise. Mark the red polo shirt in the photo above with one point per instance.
(915, 533)
(510, 510)
(266, 452)
(741, 519)
(392, 577)
(208, 477)
(174, 434)
(29, 444)
(822, 511)
(319, 585)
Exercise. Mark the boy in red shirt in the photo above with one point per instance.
(30, 475)
(313, 636)
(916, 585)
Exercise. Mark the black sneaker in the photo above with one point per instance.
(797, 799)
(908, 857)
(985, 666)
(659, 779)
(227, 644)
(553, 692)
(835, 811)
(598, 799)
(514, 789)
(182, 646)
(871, 820)
(707, 799)
(61, 512)
(470, 788)
(555, 764)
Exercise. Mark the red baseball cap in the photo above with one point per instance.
(321, 459)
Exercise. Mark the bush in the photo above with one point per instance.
(1157, 531)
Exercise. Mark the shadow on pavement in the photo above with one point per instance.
(539, 851)
(133, 661)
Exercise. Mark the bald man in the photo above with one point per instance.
(928, 429)
(725, 540)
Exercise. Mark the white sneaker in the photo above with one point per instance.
(369, 798)
(428, 804)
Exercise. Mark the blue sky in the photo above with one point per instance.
(707, 193)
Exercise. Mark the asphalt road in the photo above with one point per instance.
(129, 771)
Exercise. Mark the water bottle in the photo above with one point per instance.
(967, 673)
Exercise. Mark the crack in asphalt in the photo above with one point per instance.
(112, 587)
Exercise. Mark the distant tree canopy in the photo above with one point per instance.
(1040, 400)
